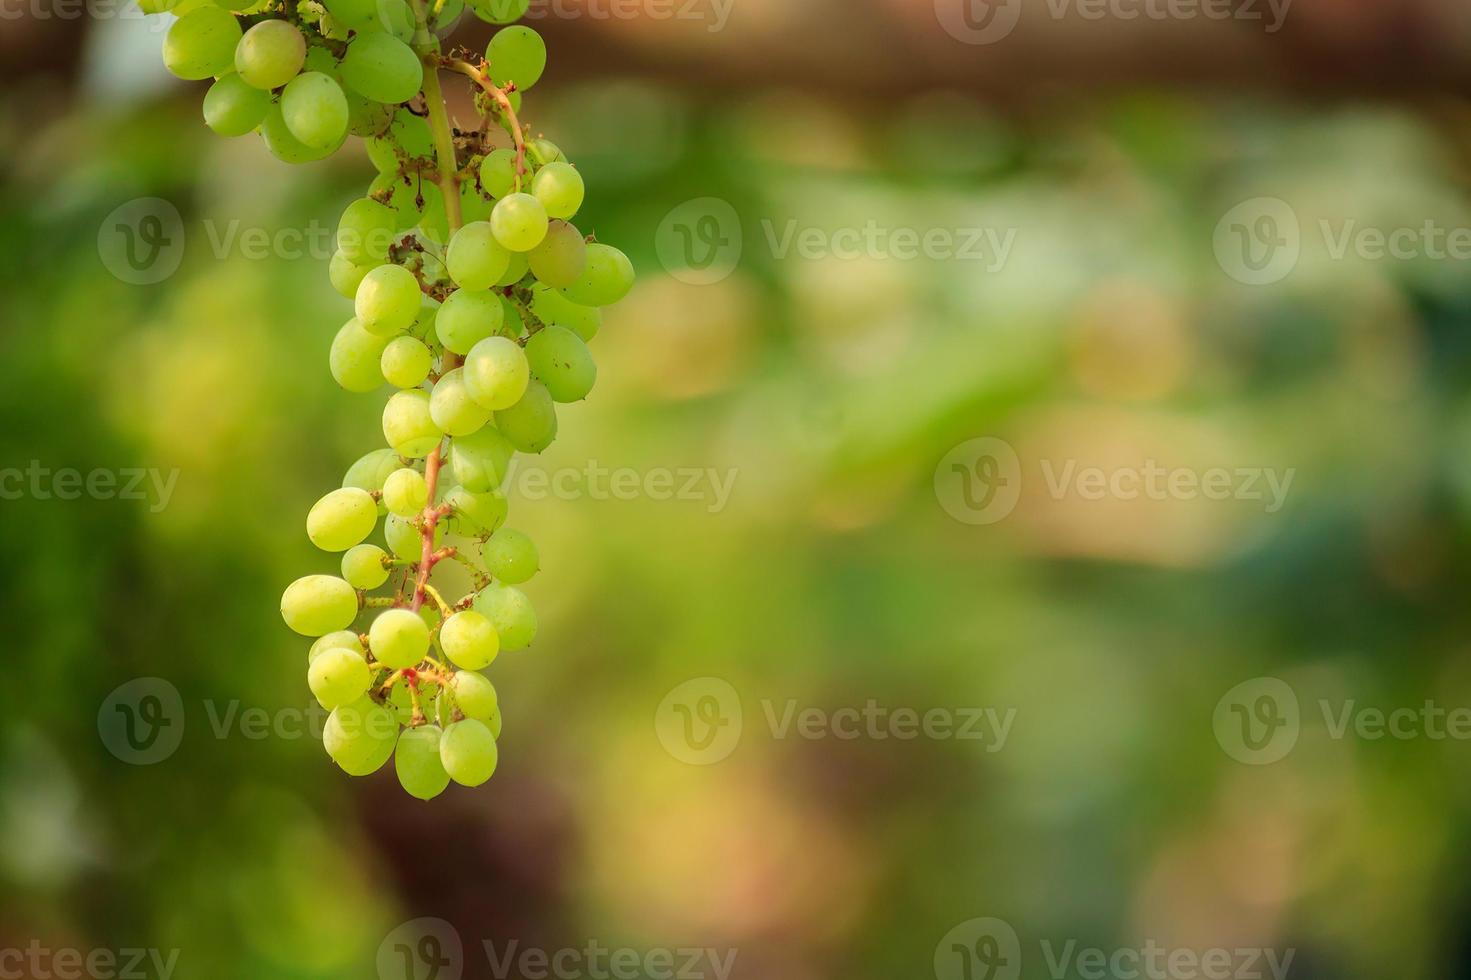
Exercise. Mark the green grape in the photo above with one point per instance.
(452, 408)
(321, 59)
(403, 198)
(363, 566)
(355, 358)
(372, 471)
(382, 68)
(394, 17)
(514, 325)
(478, 514)
(232, 107)
(346, 275)
(346, 639)
(434, 225)
(366, 231)
(408, 134)
(319, 604)
(511, 556)
(469, 640)
(481, 461)
(517, 271)
(468, 317)
(286, 147)
(553, 307)
(498, 173)
(270, 54)
(342, 519)
(406, 493)
(517, 56)
(497, 373)
(365, 117)
(559, 187)
(405, 541)
(202, 43)
(399, 638)
(406, 362)
(531, 424)
(500, 11)
(494, 723)
(519, 222)
(157, 6)
(360, 737)
(561, 257)
(510, 612)
(475, 695)
(416, 761)
(388, 300)
(545, 152)
(315, 110)
(476, 261)
(561, 361)
(353, 14)
(469, 753)
(474, 206)
(606, 280)
(408, 425)
(338, 677)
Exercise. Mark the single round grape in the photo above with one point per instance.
(561, 257)
(606, 280)
(497, 373)
(338, 677)
(510, 612)
(559, 187)
(477, 514)
(406, 493)
(402, 195)
(408, 425)
(360, 737)
(355, 358)
(519, 222)
(354, 15)
(498, 173)
(366, 231)
(475, 695)
(416, 761)
(517, 56)
(561, 361)
(372, 471)
(468, 317)
(382, 68)
(500, 11)
(342, 519)
(388, 300)
(270, 54)
(452, 408)
(553, 307)
(476, 261)
(406, 362)
(469, 640)
(346, 275)
(511, 556)
(346, 639)
(202, 43)
(407, 135)
(405, 541)
(531, 424)
(319, 604)
(494, 723)
(545, 151)
(517, 271)
(399, 638)
(286, 147)
(474, 206)
(233, 107)
(394, 17)
(315, 110)
(363, 567)
(481, 461)
(469, 753)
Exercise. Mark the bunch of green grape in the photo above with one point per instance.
(475, 297)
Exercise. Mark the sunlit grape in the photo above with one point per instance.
(561, 257)
(476, 261)
(399, 638)
(511, 556)
(406, 362)
(500, 11)
(388, 300)
(382, 68)
(370, 472)
(270, 54)
(202, 43)
(561, 361)
(481, 461)
(469, 640)
(498, 173)
(469, 753)
(405, 493)
(559, 187)
(517, 270)
(467, 318)
(405, 541)
(346, 275)
(497, 373)
(342, 519)
(606, 280)
(553, 307)
(409, 426)
(366, 231)
(360, 737)
(519, 222)
(284, 145)
(510, 612)
(407, 136)
(452, 408)
(337, 677)
(363, 567)
(517, 56)
(319, 604)
(531, 424)
(346, 639)
(478, 514)
(234, 107)
(475, 695)
(417, 763)
(315, 110)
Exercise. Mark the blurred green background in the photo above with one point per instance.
(833, 393)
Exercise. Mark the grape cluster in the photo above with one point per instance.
(475, 298)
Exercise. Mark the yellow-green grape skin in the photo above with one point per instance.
(500, 11)
(469, 753)
(408, 425)
(475, 695)
(406, 135)
(468, 317)
(346, 275)
(157, 6)
(470, 641)
(519, 222)
(561, 361)
(202, 43)
(452, 408)
(353, 14)
(342, 519)
(478, 514)
(498, 173)
(511, 556)
(405, 541)
(607, 278)
(286, 147)
(270, 54)
(561, 257)
(559, 187)
(552, 307)
(355, 358)
(531, 424)
(372, 471)
(497, 373)
(474, 206)
(494, 723)
(382, 68)
(481, 461)
(395, 18)
(416, 761)
(346, 639)
(366, 231)
(314, 109)
(337, 677)
(319, 604)
(545, 151)
(233, 107)
(511, 613)
(399, 638)
(406, 493)
(406, 362)
(476, 261)
(388, 300)
(363, 568)
(517, 56)
(360, 737)
(402, 198)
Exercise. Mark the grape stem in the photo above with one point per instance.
(477, 75)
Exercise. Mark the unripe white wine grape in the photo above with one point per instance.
(319, 604)
(607, 278)
(476, 696)
(517, 56)
(561, 361)
(408, 425)
(286, 147)
(388, 300)
(399, 638)
(561, 257)
(552, 307)
(405, 541)
(481, 461)
(346, 639)
(559, 187)
(406, 362)
(476, 261)
(406, 493)
(478, 514)
(497, 373)
(363, 567)
(468, 317)
(342, 519)
(202, 43)
(233, 107)
(511, 613)
(382, 68)
(270, 54)
(519, 222)
(315, 110)
(346, 275)
(469, 753)
(337, 677)
(366, 231)
(453, 410)
(511, 556)
(360, 737)
(469, 640)
(531, 424)
(417, 763)
(498, 173)
(370, 472)
(355, 358)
